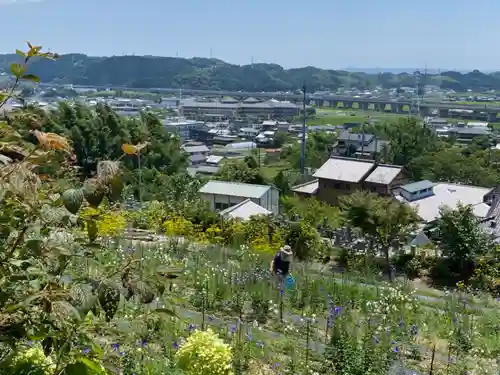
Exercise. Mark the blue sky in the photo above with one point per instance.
(445, 34)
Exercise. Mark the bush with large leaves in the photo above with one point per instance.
(47, 250)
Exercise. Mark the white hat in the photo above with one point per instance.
(286, 253)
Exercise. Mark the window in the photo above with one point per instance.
(221, 206)
(336, 185)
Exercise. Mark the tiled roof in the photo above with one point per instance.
(384, 174)
(235, 189)
(193, 149)
(245, 210)
(344, 169)
(310, 187)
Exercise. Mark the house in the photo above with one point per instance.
(427, 198)
(467, 135)
(244, 210)
(248, 132)
(362, 145)
(214, 159)
(352, 141)
(205, 170)
(306, 190)
(341, 175)
(223, 194)
(196, 154)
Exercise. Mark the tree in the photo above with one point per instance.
(240, 171)
(409, 139)
(462, 238)
(279, 139)
(386, 220)
(318, 149)
(282, 183)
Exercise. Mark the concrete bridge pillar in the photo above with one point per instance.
(347, 105)
(364, 106)
(318, 103)
(394, 107)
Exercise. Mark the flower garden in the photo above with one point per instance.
(78, 296)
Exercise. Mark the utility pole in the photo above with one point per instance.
(303, 141)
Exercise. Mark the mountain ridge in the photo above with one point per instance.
(214, 74)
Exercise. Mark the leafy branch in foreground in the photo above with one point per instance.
(58, 293)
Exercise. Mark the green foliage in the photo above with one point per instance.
(304, 240)
(245, 171)
(386, 220)
(99, 135)
(318, 149)
(460, 235)
(463, 241)
(199, 73)
(311, 210)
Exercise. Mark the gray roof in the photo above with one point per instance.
(197, 158)
(348, 136)
(417, 186)
(379, 144)
(245, 210)
(251, 100)
(193, 149)
(449, 195)
(214, 159)
(310, 187)
(344, 169)
(491, 224)
(384, 174)
(471, 131)
(235, 189)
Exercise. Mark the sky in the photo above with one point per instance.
(331, 34)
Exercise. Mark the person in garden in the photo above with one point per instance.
(280, 265)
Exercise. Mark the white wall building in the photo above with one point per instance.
(222, 195)
(183, 127)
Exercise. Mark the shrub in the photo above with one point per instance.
(31, 361)
(204, 353)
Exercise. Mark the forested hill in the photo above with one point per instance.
(214, 74)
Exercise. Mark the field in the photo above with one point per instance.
(229, 291)
(339, 117)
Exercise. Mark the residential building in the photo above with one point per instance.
(478, 124)
(186, 129)
(361, 145)
(340, 176)
(204, 170)
(223, 194)
(466, 135)
(197, 154)
(306, 190)
(244, 210)
(214, 160)
(437, 122)
(427, 198)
